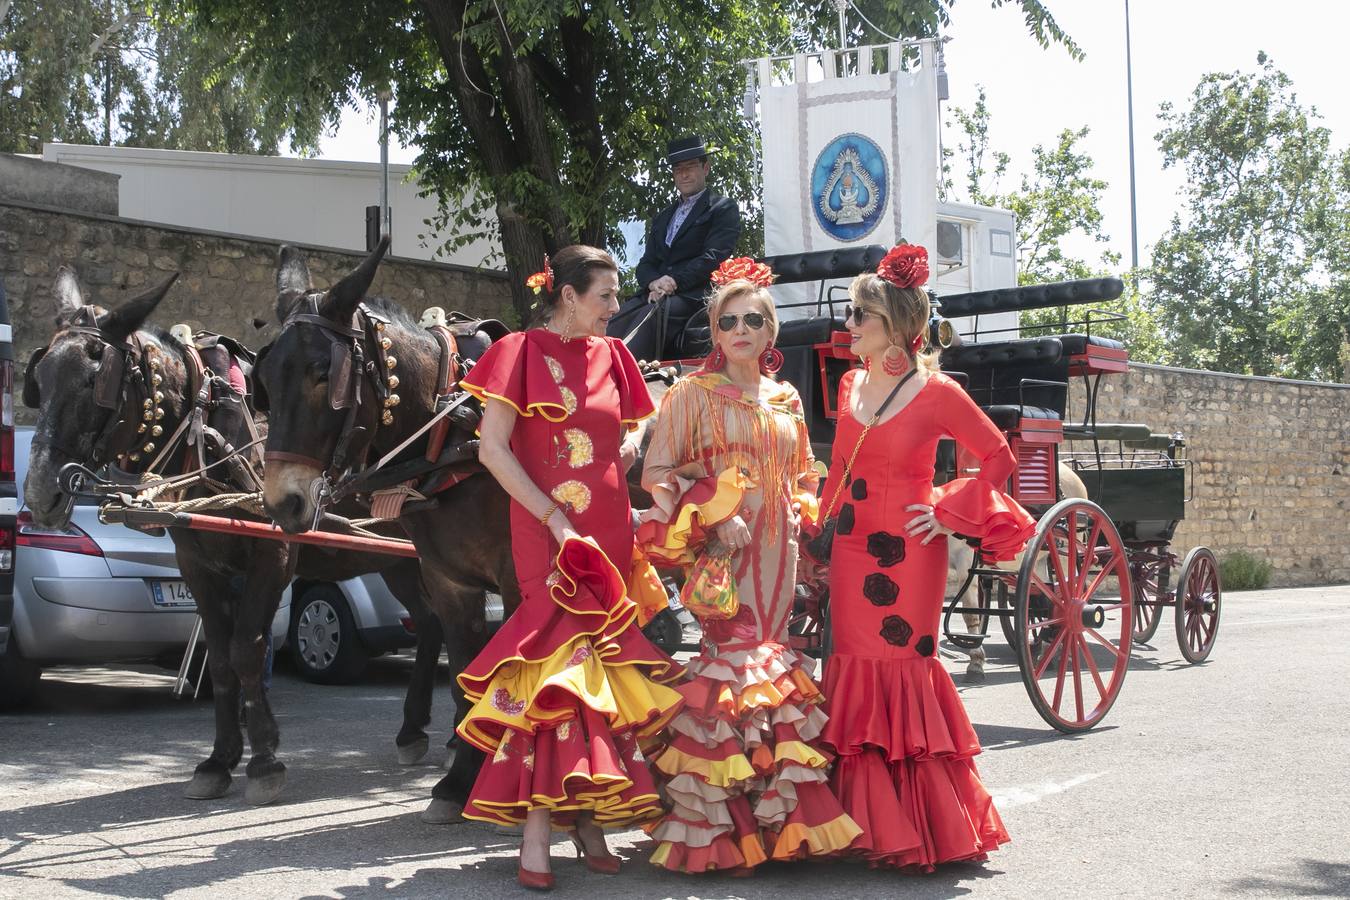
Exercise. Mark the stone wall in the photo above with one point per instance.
(226, 281)
(27, 180)
(1271, 463)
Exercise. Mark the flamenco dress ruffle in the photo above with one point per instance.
(743, 777)
(905, 770)
(975, 508)
(570, 695)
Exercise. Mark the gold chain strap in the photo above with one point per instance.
(830, 508)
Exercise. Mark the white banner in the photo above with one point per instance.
(851, 160)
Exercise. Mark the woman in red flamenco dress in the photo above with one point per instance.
(565, 693)
(731, 472)
(905, 748)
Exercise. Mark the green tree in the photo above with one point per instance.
(551, 113)
(112, 72)
(1249, 279)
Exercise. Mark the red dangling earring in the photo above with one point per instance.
(867, 363)
(771, 360)
(917, 344)
(716, 359)
(894, 365)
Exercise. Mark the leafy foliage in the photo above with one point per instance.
(1252, 279)
(1241, 571)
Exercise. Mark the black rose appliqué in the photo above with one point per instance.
(889, 549)
(896, 630)
(859, 489)
(924, 646)
(844, 524)
(880, 589)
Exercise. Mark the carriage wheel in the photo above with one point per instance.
(1144, 580)
(1073, 627)
(1199, 597)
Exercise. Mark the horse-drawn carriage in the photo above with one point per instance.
(1097, 573)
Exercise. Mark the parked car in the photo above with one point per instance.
(92, 594)
(11, 666)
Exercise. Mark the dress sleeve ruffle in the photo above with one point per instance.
(515, 371)
(684, 511)
(635, 401)
(974, 508)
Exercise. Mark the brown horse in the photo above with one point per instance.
(334, 400)
(100, 400)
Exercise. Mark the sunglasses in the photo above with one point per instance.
(857, 314)
(753, 320)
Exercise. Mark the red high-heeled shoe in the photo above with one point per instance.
(535, 881)
(609, 864)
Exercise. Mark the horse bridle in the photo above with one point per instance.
(348, 368)
(128, 380)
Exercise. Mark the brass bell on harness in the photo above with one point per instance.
(135, 457)
(385, 343)
(391, 401)
(390, 362)
(156, 378)
(159, 397)
(141, 429)
(156, 431)
(391, 382)
(148, 448)
(159, 414)
(147, 403)
(387, 417)
(148, 414)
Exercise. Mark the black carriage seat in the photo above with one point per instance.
(1077, 344)
(1122, 431)
(1011, 373)
(1009, 417)
(825, 265)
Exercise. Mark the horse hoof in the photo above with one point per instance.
(263, 789)
(443, 812)
(975, 675)
(207, 785)
(411, 754)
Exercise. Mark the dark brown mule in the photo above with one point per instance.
(91, 385)
(332, 394)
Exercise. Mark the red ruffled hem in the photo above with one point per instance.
(974, 508)
(916, 814)
(578, 765)
(907, 708)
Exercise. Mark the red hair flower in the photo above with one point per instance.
(541, 281)
(743, 268)
(906, 266)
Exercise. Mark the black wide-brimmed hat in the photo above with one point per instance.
(688, 147)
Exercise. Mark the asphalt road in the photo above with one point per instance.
(1227, 779)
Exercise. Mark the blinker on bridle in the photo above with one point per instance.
(122, 368)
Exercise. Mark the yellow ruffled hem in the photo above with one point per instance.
(722, 505)
(801, 753)
(628, 699)
(554, 412)
(721, 773)
(641, 808)
(832, 837)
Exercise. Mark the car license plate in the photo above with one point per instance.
(172, 595)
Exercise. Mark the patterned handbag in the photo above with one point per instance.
(709, 590)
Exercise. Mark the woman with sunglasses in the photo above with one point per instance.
(731, 472)
(904, 745)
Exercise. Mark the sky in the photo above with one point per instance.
(1035, 93)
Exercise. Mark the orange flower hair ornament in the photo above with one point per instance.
(541, 281)
(906, 266)
(743, 267)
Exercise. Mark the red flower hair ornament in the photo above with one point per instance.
(906, 266)
(743, 268)
(541, 281)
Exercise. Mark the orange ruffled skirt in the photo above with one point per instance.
(563, 697)
(905, 770)
(744, 782)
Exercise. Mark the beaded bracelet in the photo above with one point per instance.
(548, 514)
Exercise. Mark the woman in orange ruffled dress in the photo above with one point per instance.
(730, 470)
(905, 748)
(568, 688)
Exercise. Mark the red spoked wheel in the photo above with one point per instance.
(1199, 597)
(1148, 581)
(1074, 617)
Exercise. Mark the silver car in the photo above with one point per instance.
(94, 593)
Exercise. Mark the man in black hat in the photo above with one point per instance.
(686, 242)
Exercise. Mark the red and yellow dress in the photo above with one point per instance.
(743, 773)
(568, 689)
(905, 769)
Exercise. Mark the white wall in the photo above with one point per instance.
(989, 260)
(313, 201)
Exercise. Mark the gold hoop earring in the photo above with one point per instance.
(566, 333)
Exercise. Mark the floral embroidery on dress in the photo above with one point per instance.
(565, 730)
(528, 761)
(574, 494)
(503, 750)
(554, 368)
(580, 450)
(896, 631)
(580, 655)
(502, 702)
(553, 578)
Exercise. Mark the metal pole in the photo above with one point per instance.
(840, 6)
(1129, 103)
(384, 162)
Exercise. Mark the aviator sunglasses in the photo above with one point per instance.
(857, 314)
(753, 320)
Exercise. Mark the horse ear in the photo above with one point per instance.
(119, 324)
(66, 290)
(342, 297)
(292, 271)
